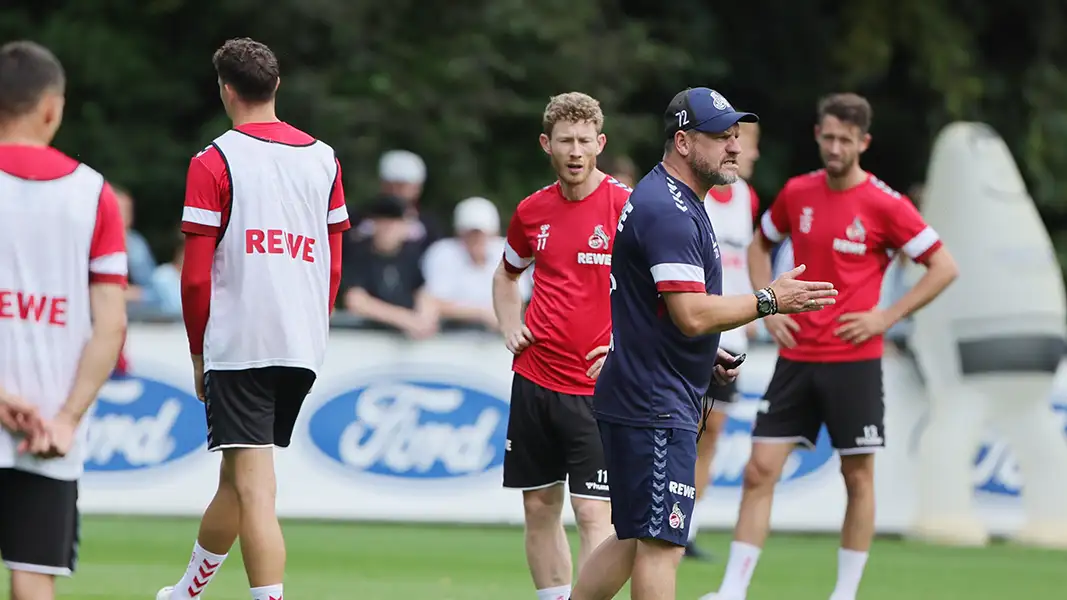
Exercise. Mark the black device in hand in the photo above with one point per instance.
(733, 364)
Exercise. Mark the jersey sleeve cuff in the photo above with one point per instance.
(341, 227)
(769, 230)
(108, 278)
(513, 262)
(925, 256)
(922, 245)
(510, 268)
(199, 229)
(681, 286)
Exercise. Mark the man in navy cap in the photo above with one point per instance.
(667, 313)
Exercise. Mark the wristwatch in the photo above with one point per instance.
(766, 302)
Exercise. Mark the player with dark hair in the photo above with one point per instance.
(667, 313)
(845, 225)
(62, 319)
(263, 218)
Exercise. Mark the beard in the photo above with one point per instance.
(565, 174)
(709, 176)
(840, 169)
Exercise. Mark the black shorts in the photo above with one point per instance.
(653, 478)
(720, 396)
(845, 396)
(553, 438)
(38, 523)
(254, 408)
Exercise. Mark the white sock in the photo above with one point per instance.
(267, 592)
(850, 564)
(739, 568)
(201, 570)
(562, 592)
(693, 527)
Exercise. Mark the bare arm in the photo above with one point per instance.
(107, 302)
(507, 298)
(941, 270)
(760, 271)
(359, 302)
(700, 314)
(459, 312)
(426, 307)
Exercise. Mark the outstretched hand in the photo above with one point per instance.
(796, 296)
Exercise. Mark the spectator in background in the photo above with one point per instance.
(402, 174)
(141, 262)
(459, 270)
(621, 167)
(382, 279)
(167, 281)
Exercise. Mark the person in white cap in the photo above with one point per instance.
(459, 270)
(402, 174)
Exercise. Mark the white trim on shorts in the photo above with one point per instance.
(43, 570)
(538, 487)
(793, 439)
(584, 497)
(860, 450)
(231, 446)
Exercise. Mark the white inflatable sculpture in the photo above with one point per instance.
(990, 345)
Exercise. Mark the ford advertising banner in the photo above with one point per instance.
(399, 430)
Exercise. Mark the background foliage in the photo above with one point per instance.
(464, 83)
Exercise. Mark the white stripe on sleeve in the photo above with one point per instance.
(514, 259)
(923, 241)
(769, 230)
(202, 216)
(337, 215)
(678, 272)
(109, 264)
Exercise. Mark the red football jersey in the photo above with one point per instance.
(848, 238)
(570, 312)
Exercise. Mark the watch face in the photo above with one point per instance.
(764, 305)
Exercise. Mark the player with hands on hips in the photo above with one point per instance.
(565, 231)
(845, 224)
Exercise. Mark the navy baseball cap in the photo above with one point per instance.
(702, 109)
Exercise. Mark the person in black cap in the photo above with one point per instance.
(667, 312)
(382, 280)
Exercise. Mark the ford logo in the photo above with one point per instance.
(140, 423)
(413, 429)
(996, 470)
(735, 447)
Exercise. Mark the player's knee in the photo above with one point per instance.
(543, 507)
(26, 585)
(762, 470)
(253, 477)
(591, 516)
(858, 473)
(653, 551)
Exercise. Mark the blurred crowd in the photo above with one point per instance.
(402, 272)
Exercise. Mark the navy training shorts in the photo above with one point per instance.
(651, 474)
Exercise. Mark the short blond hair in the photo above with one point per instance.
(572, 106)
